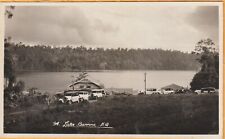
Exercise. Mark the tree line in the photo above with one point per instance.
(208, 76)
(47, 58)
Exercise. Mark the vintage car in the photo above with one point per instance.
(198, 91)
(98, 93)
(84, 95)
(59, 97)
(208, 90)
(150, 91)
(72, 97)
(168, 91)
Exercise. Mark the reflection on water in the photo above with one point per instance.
(58, 81)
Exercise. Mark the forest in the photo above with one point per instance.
(48, 58)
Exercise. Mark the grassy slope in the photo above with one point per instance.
(158, 114)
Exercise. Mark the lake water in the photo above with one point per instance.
(58, 81)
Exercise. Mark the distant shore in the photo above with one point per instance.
(144, 70)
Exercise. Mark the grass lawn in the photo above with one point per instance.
(146, 114)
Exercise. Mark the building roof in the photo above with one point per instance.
(173, 86)
(86, 81)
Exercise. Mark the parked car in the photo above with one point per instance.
(150, 91)
(181, 91)
(208, 90)
(72, 97)
(84, 95)
(142, 91)
(60, 98)
(98, 93)
(105, 94)
(168, 91)
(92, 97)
(198, 91)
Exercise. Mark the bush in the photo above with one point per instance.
(204, 79)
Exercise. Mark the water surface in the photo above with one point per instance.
(58, 81)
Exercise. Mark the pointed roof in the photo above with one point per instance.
(86, 80)
(173, 86)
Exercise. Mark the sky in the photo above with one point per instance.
(109, 25)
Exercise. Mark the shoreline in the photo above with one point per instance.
(133, 70)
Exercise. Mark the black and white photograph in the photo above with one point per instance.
(113, 68)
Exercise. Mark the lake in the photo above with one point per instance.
(58, 81)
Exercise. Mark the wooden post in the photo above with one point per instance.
(145, 83)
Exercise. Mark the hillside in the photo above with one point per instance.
(46, 58)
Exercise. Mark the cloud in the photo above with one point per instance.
(108, 25)
(206, 20)
(104, 27)
(54, 25)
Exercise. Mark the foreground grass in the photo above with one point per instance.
(155, 114)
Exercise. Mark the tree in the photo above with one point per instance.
(208, 76)
(19, 87)
(81, 76)
(9, 68)
(46, 58)
(12, 88)
(8, 11)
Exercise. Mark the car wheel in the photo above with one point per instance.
(70, 102)
(81, 99)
